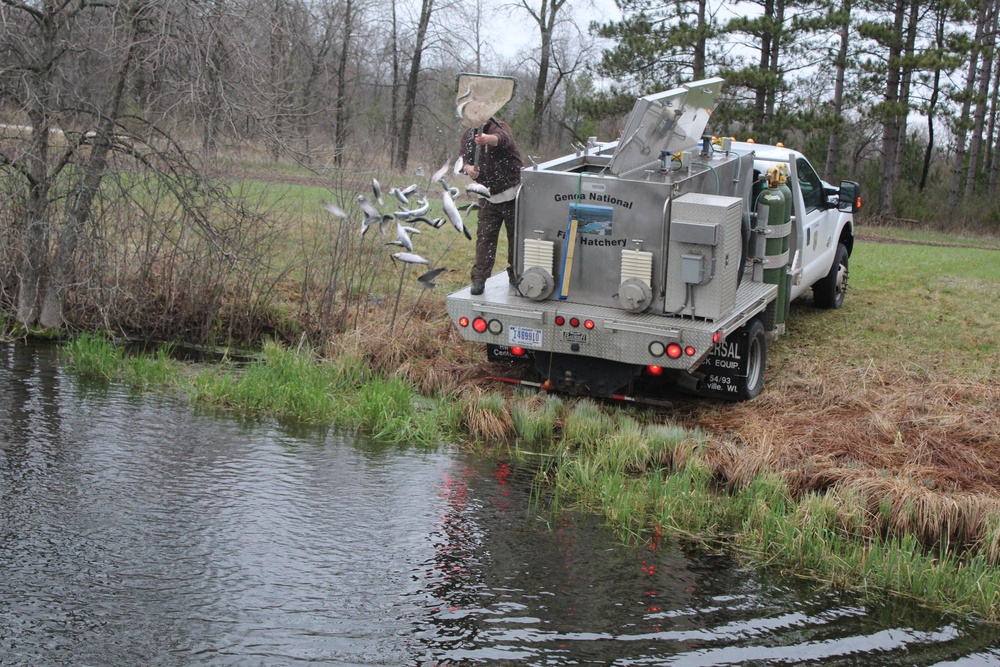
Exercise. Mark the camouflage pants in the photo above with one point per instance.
(491, 217)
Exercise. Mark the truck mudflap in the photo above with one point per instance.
(734, 370)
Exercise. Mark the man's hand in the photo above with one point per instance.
(487, 139)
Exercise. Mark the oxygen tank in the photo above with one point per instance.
(785, 190)
(772, 208)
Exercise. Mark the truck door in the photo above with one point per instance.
(816, 225)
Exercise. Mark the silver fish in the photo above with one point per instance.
(398, 194)
(439, 174)
(404, 238)
(334, 209)
(479, 189)
(468, 91)
(367, 208)
(453, 215)
(468, 208)
(459, 166)
(409, 189)
(377, 189)
(409, 258)
(454, 192)
(427, 279)
(424, 207)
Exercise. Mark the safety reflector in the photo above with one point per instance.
(463, 321)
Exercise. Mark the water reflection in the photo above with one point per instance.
(135, 530)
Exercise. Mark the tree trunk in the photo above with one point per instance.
(904, 88)
(833, 148)
(890, 123)
(982, 95)
(412, 81)
(340, 110)
(962, 124)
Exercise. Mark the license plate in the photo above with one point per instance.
(525, 336)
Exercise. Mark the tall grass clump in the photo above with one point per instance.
(536, 425)
(97, 358)
(587, 426)
(283, 382)
(94, 357)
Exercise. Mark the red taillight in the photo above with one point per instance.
(517, 351)
(574, 322)
(560, 320)
(588, 324)
(857, 203)
(716, 337)
(654, 370)
(463, 321)
(674, 351)
(689, 351)
(479, 325)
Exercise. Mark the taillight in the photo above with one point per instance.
(716, 337)
(560, 320)
(588, 324)
(689, 351)
(517, 351)
(463, 321)
(674, 351)
(479, 325)
(574, 322)
(654, 370)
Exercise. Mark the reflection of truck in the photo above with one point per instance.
(665, 257)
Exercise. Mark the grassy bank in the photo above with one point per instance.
(869, 460)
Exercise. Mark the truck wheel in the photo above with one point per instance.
(829, 292)
(751, 385)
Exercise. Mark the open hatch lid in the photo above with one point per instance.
(671, 121)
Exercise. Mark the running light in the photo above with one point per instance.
(674, 351)
(689, 351)
(574, 322)
(717, 336)
(588, 324)
(560, 320)
(479, 325)
(654, 370)
(463, 321)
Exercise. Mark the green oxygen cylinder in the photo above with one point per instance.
(770, 206)
(785, 298)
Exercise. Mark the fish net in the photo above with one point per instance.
(479, 96)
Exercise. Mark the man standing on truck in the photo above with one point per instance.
(491, 158)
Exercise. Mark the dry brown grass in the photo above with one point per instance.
(897, 451)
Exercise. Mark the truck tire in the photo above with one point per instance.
(829, 292)
(751, 385)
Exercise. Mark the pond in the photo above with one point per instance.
(137, 530)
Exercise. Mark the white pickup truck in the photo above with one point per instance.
(666, 259)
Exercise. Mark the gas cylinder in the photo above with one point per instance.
(785, 190)
(772, 208)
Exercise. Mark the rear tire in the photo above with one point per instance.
(829, 292)
(751, 385)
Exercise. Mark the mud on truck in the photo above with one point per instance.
(666, 259)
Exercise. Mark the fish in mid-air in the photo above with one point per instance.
(409, 258)
(451, 211)
(333, 209)
(427, 279)
(377, 190)
(479, 189)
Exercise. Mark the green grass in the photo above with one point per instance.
(923, 308)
